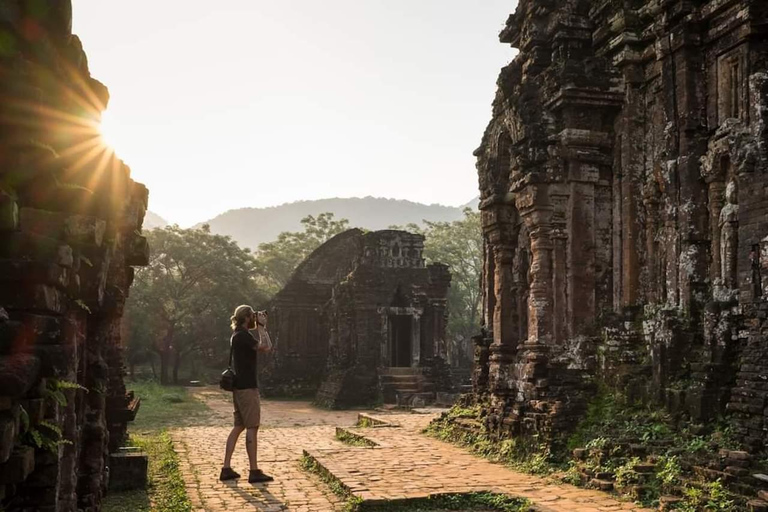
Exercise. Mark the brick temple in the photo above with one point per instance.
(70, 221)
(362, 319)
(624, 182)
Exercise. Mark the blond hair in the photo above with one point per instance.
(240, 315)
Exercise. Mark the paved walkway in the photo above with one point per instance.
(405, 464)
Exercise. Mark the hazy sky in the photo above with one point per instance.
(235, 103)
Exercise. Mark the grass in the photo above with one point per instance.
(164, 406)
(353, 439)
(135, 501)
(166, 491)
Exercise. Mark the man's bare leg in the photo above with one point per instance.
(251, 445)
(231, 442)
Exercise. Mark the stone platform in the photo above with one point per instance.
(404, 464)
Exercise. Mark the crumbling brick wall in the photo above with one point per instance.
(70, 218)
(623, 198)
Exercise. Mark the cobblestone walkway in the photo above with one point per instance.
(405, 464)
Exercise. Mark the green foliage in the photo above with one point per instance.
(612, 420)
(310, 465)
(352, 439)
(668, 472)
(459, 245)
(711, 497)
(180, 303)
(46, 435)
(167, 491)
(135, 501)
(164, 406)
(523, 454)
(625, 474)
(55, 388)
(364, 422)
(277, 260)
(83, 306)
(471, 501)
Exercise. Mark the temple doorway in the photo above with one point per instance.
(400, 339)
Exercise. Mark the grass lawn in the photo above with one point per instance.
(162, 407)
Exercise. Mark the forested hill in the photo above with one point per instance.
(252, 226)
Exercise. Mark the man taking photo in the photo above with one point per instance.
(245, 349)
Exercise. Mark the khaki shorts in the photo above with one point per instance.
(247, 408)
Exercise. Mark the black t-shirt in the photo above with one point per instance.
(244, 357)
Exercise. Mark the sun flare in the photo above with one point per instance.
(107, 131)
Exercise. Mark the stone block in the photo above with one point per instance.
(18, 373)
(41, 297)
(9, 212)
(127, 471)
(84, 230)
(44, 476)
(137, 252)
(35, 408)
(19, 466)
(31, 246)
(42, 222)
(55, 360)
(33, 272)
(7, 436)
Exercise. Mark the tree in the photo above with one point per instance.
(458, 244)
(180, 303)
(277, 260)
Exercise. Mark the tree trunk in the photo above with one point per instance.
(176, 365)
(164, 356)
(132, 370)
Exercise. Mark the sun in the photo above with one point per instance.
(107, 130)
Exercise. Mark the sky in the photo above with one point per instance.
(255, 103)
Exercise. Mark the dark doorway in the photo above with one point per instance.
(400, 337)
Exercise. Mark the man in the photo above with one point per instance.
(245, 349)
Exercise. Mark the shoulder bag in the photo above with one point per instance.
(227, 381)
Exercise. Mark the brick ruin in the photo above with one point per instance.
(70, 218)
(624, 182)
(362, 319)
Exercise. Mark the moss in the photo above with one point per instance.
(524, 454)
(352, 439)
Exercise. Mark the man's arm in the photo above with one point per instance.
(265, 343)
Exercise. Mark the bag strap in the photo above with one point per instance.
(231, 348)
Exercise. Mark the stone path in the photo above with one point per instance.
(405, 464)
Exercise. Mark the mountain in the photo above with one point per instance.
(474, 204)
(153, 220)
(252, 226)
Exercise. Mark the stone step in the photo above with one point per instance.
(402, 378)
(394, 370)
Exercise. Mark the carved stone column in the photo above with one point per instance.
(716, 193)
(505, 330)
(540, 328)
(500, 222)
